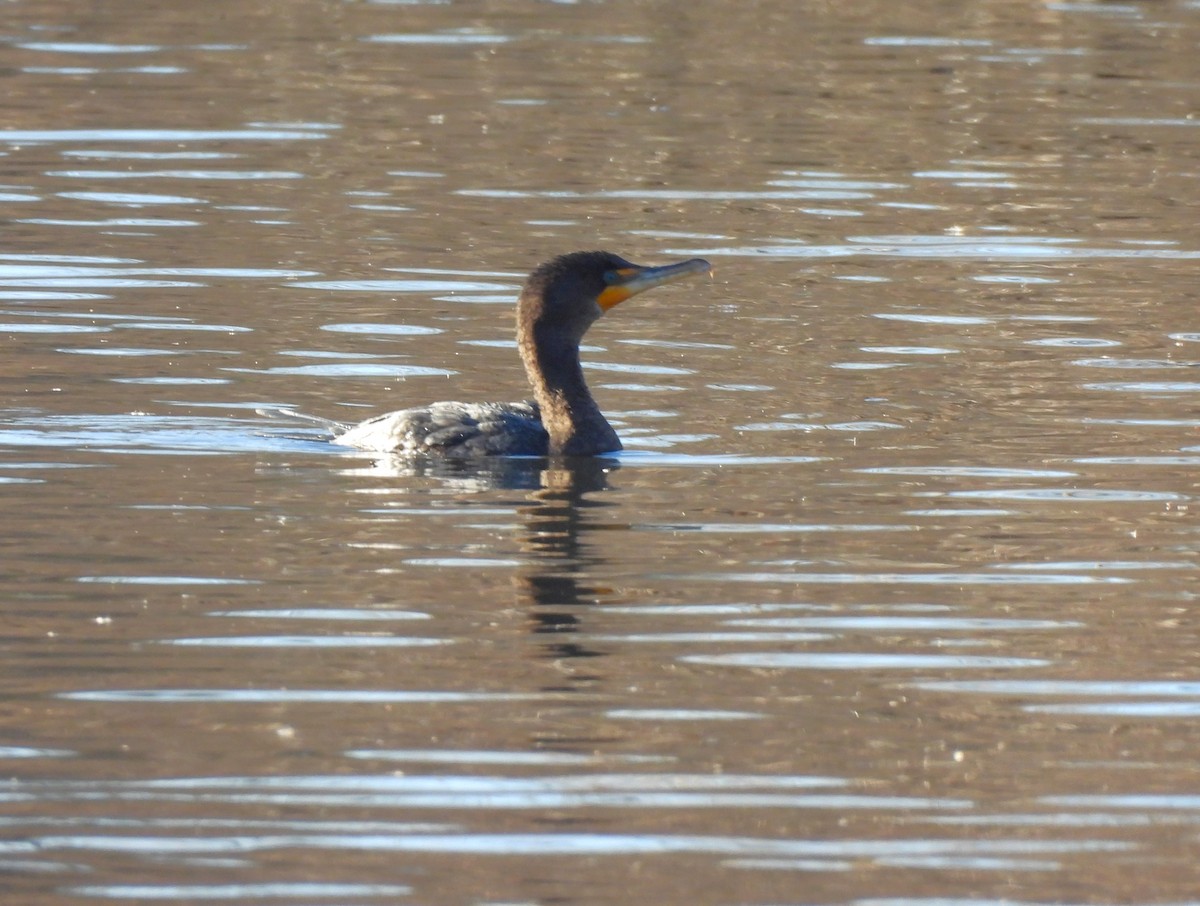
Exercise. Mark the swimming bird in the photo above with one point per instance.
(561, 299)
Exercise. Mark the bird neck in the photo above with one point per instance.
(570, 415)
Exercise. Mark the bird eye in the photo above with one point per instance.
(611, 277)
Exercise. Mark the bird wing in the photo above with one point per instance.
(454, 429)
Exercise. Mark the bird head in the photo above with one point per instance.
(568, 293)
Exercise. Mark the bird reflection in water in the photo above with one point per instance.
(553, 527)
(553, 522)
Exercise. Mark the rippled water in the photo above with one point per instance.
(887, 599)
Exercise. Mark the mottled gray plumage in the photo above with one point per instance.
(453, 429)
(561, 299)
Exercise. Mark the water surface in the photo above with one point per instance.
(887, 599)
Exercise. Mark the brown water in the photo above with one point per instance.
(888, 600)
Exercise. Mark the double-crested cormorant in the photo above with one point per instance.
(559, 302)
